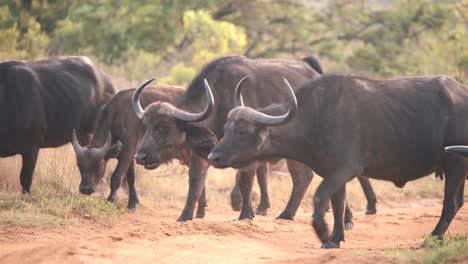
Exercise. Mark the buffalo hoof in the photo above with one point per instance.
(431, 241)
(184, 219)
(285, 216)
(247, 215)
(321, 229)
(348, 226)
(262, 211)
(132, 207)
(111, 199)
(132, 203)
(200, 214)
(185, 216)
(371, 210)
(331, 245)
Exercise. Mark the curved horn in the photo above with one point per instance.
(139, 111)
(76, 145)
(238, 100)
(189, 117)
(106, 145)
(264, 119)
(458, 150)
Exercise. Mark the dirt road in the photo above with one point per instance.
(152, 236)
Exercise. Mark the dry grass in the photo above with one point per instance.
(167, 186)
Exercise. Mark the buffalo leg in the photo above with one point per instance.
(132, 194)
(370, 195)
(246, 177)
(124, 165)
(262, 179)
(301, 176)
(338, 202)
(202, 204)
(329, 186)
(455, 173)
(348, 217)
(236, 196)
(197, 175)
(29, 159)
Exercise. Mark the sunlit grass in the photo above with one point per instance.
(437, 251)
(47, 206)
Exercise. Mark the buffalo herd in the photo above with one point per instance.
(244, 113)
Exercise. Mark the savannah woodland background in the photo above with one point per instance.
(134, 40)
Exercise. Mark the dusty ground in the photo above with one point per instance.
(152, 235)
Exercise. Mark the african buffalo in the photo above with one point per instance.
(116, 134)
(43, 101)
(344, 126)
(170, 126)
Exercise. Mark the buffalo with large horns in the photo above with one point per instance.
(344, 126)
(196, 120)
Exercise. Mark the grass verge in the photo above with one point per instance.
(47, 206)
(453, 250)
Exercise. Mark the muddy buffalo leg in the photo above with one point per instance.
(29, 158)
(246, 177)
(370, 195)
(262, 179)
(202, 203)
(236, 196)
(455, 175)
(301, 176)
(197, 176)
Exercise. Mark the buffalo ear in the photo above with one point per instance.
(262, 138)
(200, 139)
(114, 150)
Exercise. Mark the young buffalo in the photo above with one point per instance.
(117, 133)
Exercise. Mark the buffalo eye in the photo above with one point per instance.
(162, 129)
(242, 132)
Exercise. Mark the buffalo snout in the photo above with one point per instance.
(86, 189)
(141, 157)
(216, 160)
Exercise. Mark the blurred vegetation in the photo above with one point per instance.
(453, 250)
(138, 39)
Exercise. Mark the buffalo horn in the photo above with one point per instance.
(239, 101)
(76, 144)
(264, 119)
(139, 111)
(190, 117)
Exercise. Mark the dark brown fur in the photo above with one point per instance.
(347, 126)
(164, 132)
(43, 101)
(126, 131)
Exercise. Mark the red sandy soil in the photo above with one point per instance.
(152, 235)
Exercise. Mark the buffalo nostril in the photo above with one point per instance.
(86, 189)
(141, 156)
(214, 157)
